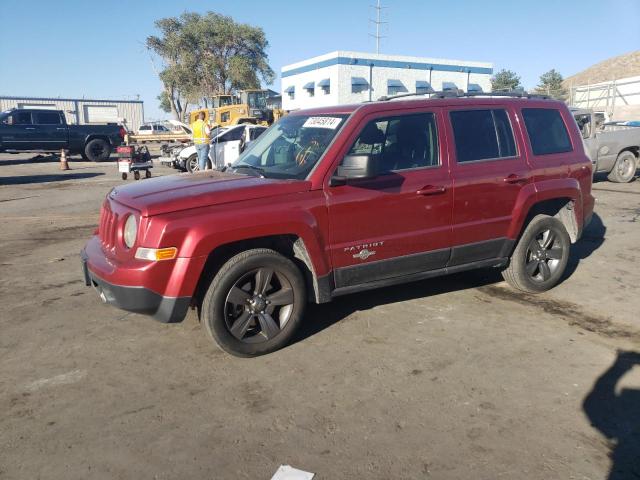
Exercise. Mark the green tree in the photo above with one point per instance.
(206, 55)
(505, 81)
(551, 84)
(165, 102)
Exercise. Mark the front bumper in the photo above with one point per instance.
(137, 299)
(168, 161)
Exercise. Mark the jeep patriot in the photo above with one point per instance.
(347, 198)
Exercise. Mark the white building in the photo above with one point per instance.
(353, 77)
(80, 111)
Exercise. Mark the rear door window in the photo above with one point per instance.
(482, 135)
(48, 118)
(547, 131)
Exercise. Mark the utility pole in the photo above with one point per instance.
(377, 22)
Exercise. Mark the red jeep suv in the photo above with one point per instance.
(340, 199)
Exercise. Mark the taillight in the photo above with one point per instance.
(123, 132)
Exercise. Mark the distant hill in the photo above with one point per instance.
(622, 66)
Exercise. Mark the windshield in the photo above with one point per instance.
(257, 100)
(291, 147)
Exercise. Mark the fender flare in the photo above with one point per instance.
(532, 194)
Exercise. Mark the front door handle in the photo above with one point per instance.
(513, 178)
(431, 190)
(29, 128)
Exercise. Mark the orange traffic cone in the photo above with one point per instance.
(64, 165)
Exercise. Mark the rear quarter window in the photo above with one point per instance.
(546, 130)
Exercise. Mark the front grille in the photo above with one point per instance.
(108, 226)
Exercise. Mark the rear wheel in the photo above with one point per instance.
(192, 163)
(254, 303)
(624, 169)
(136, 175)
(540, 257)
(97, 150)
(147, 173)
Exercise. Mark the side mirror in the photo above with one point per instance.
(353, 167)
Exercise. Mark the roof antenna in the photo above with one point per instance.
(377, 22)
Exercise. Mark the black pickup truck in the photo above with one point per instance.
(47, 130)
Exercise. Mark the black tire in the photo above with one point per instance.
(192, 163)
(97, 150)
(540, 257)
(124, 176)
(246, 309)
(625, 168)
(147, 173)
(136, 175)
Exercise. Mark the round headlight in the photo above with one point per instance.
(130, 231)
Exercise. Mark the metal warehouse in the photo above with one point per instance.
(80, 111)
(352, 77)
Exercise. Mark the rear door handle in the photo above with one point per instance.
(29, 128)
(513, 178)
(431, 190)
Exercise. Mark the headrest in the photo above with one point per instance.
(372, 134)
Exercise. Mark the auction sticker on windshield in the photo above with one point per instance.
(322, 122)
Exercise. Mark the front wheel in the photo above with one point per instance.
(254, 303)
(192, 163)
(540, 257)
(625, 168)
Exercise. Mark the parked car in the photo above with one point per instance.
(47, 131)
(347, 198)
(152, 129)
(613, 147)
(226, 145)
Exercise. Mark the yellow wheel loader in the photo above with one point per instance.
(250, 107)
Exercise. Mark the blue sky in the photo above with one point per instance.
(74, 48)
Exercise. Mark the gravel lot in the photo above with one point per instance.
(459, 377)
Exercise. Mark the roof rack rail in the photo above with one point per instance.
(461, 94)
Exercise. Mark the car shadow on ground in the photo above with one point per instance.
(592, 239)
(617, 416)
(49, 158)
(58, 177)
(325, 315)
(320, 317)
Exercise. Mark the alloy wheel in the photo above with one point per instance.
(194, 166)
(97, 149)
(259, 305)
(625, 167)
(543, 257)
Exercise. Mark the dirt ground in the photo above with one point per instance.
(452, 378)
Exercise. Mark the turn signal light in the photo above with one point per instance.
(156, 254)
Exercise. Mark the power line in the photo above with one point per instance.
(378, 22)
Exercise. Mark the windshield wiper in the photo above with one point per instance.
(250, 167)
